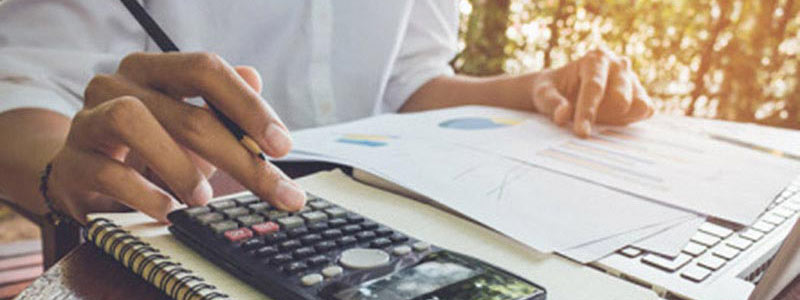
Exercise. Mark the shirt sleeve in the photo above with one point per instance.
(49, 50)
(429, 43)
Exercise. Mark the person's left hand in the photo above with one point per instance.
(597, 88)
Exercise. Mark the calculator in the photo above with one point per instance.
(325, 251)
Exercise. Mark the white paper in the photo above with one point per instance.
(670, 242)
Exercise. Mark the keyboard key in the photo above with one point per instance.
(265, 228)
(325, 246)
(236, 235)
(369, 225)
(289, 245)
(331, 233)
(223, 226)
(380, 243)
(210, 218)
(196, 211)
(354, 219)
(705, 239)
(290, 222)
(318, 260)
(332, 271)
(266, 251)
(304, 252)
(220, 205)
(694, 249)
(275, 214)
(751, 234)
(297, 232)
(792, 206)
(247, 200)
(350, 229)
(365, 236)
(630, 252)
(311, 279)
(310, 239)
(783, 212)
(338, 222)
(280, 259)
(726, 252)
(249, 220)
(235, 212)
(715, 230)
(252, 244)
(773, 219)
(259, 207)
(421, 246)
(275, 238)
(335, 212)
(711, 262)
(398, 238)
(383, 231)
(317, 227)
(763, 226)
(318, 204)
(401, 250)
(295, 267)
(695, 273)
(314, 216)
(346, 241)
(665, 263)
(739, 242)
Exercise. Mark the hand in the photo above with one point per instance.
(140, 109)
(598, 88)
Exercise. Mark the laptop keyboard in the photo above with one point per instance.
(715, 245)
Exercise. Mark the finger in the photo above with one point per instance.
(209, 76)
(550, 102)
(251, 76)
(640, 94)
(127, 121)
(198, 129)
(619, 93)
(593, 72)
(114, 179)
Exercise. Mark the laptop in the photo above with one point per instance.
(723, 262)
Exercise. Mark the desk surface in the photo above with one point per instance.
(87, 273)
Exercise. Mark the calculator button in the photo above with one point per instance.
(275, 214)
(338, 222)
(314, 216)
(265, 228)
(236, 235)
(380, 243)
(318, 260)
(290, 245)
(304, 252)
(318, 204)
(711, 262)
(332, 271)
(259, 207)
(266, 251)
(235, 212)
(350, 229)
(335, 212)
(317, 227)
(249, 220)
(346, 241)
(297, 232)
(398, 238)
(369, 225)
(695, 273)
(360, 258)
(666, 263)
(247, 200)
(355, 219)
(252, 244)
(383, 231)
(311, 279)
(295, 267)
(365, 235)
(196, 211)
(311, 239)
(331, 233)
(401, 250)
(726, 252)
(290, 222)
(210, 218)
(280, 259)
(421, 246)
(220, 205)
(325, 246)
(223, 226)
(275, 238)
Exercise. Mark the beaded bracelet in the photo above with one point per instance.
(55, 216)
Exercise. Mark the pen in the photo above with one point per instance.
(166, 45)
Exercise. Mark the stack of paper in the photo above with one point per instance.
(517, 173)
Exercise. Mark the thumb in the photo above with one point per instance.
(251, 76)
(550, 102)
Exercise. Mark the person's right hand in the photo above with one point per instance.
(141, 109)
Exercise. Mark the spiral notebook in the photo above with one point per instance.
(148, 249)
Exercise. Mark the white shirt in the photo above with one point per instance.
(322, 61)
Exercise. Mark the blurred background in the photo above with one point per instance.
(726, 59)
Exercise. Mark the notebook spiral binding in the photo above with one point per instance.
(147, 262)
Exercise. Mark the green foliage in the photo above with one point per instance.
(728, 59)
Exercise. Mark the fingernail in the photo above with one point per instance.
(291, 196)
(278, 139)
(559, 115)
(202, 193)
(585, 128)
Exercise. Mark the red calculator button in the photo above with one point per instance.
(236, 235)
(265, 228)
